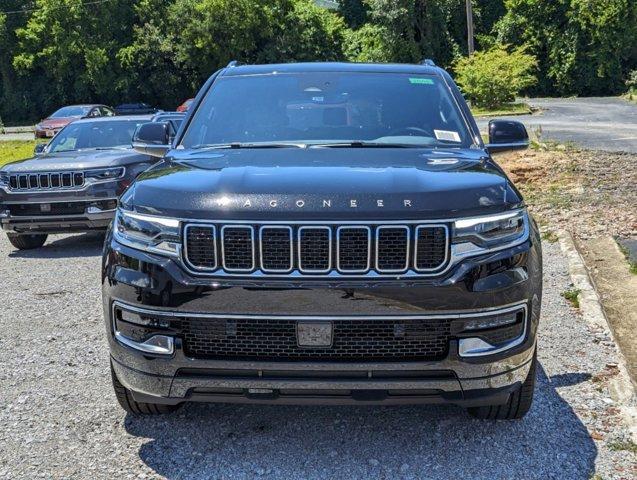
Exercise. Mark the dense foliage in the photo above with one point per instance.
(55, 52)
(494, 77)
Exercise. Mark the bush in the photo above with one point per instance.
(494, 77)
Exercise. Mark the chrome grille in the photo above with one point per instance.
(237, 248)
(276, 249)
(353, 249)
(431, 247)
(392, 249)
(46, 181)
(316, 249)
(201, 246)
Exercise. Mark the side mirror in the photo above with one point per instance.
(39, 148)
(505, 135)
(152, 139)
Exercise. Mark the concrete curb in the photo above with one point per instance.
(621, 388)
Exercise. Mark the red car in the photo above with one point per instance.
(185, 106)
(51, 125)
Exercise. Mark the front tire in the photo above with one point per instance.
(27, 241)
(126, 401)
(519, 401)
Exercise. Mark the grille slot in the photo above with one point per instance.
(201, 246)
(43, 181)
(353, 340)
(315, 249)
(392, 248)
(276, 249)
(237, 248)
(431, 247)
(353, 249)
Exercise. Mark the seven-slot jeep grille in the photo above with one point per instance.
(316, 249)
(46, 181)
(353, 339)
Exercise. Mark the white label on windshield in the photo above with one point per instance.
(447, 135)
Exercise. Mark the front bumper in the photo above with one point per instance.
(60, 211)
(93, 218)
(158, 287)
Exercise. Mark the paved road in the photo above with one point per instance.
(60, 419)
(16, 136)
(599, 123)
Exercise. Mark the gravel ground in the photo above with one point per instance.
(60, 420)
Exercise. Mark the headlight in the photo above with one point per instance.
(493, 230)
(147, 232)
(105, 173)
(4, 179)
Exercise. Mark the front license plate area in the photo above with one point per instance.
(314, 334)
(45, 207)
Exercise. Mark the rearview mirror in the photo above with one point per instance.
(505, 135)
(152, 138)
(39, 148)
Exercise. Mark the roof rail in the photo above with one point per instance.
(428, 62)
(233, 63)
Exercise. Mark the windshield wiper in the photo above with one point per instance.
(212, 146)
(363, 144)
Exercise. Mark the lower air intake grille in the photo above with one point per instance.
(353, 340)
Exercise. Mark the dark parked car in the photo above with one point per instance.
(55, 122)
(135, 109)
(325, 233)
(73, 184)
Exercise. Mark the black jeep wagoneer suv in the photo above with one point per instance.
(324, 233)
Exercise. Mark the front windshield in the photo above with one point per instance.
(328, 107)
(94, 135)
(70, 112)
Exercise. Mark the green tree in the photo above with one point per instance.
(584, 47)
(494, 77)
(70, 48)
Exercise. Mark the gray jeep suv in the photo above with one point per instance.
(71, 185)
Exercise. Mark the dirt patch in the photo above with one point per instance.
(589, 193)
(617, 289)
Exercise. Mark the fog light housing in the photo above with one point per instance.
(143, 333)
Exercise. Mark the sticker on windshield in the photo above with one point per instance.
(421, 81)
(447, 135)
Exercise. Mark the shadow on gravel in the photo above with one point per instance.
(433, 442)
(67, 246)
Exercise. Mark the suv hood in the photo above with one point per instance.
(77, 160)
(323, 183)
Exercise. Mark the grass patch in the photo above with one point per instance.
(550, 236)
(632, 266)
(13, 150)
(518, 108)
(572, 296)
(626, 446)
